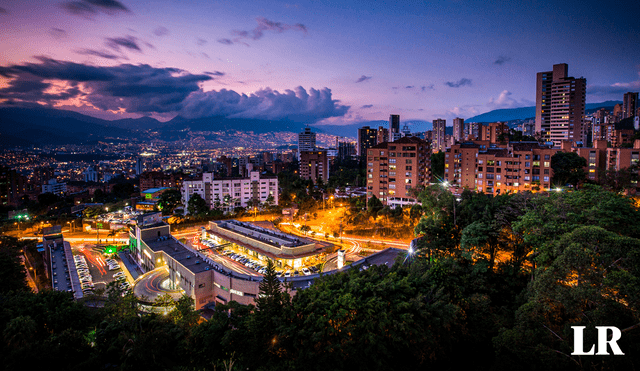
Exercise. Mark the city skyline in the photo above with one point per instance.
(339, 63)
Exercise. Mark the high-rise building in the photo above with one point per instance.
(560, 105)
(394, 168)
(458, 129)
(314, 165)
(629, 104)
(139, 167)
(394, 128)
(394, 123)
(439, 126)
(367, 138)
(383, 134)
(306, 141)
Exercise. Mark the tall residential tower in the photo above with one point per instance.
(560, 105)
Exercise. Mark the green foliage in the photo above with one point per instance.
(197, 205)
(437, 166)
(568, 168)
(169, 200)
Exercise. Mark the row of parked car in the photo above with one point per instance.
(118, 276)
(86, 280)
(256, 266)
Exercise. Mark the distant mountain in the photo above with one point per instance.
(220, 123)
(523, 113)
(21, 126)
(351, 130)
(142, 123)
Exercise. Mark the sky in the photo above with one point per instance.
(331, 62)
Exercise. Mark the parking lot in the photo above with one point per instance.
(96, 271)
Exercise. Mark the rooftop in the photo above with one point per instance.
(188, 258)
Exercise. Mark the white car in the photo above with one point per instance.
(306, 271)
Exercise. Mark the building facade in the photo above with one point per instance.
(439, 131)
(560, 105)
(314, 165)
(306, 141)
(629, 105)
(458, 129)
(394, 168)
(228, 193)
(367, 138)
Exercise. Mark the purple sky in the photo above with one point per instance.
(309, 61)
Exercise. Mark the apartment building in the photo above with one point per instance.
(394, 168)
(492, 168)
(228, 193)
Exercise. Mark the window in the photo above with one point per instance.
(480, 176)
(408, 175)
(498, 177)
(409, 168)
(547, 157)
(392, 160)
(547, 164)
(546, 178)
(408, 161)
(527, 164)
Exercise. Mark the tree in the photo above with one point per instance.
(375, 205)
(197, 205)
(568, 168)
(437, 165)
(169, 200)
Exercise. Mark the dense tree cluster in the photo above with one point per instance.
(495, 284)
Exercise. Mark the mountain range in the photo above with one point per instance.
(37, 125)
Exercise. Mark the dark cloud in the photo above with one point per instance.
(128, 42)
(3, 10)
(201, 42)
(88, 8)
(298, 105)
(367, 106)
(502, 60)
(99, 53)
(205, 55)
(214, 73)
(409, 87)
(136, 89)
(145, 90)
(363, 78)
(429, 87)
(58, 33)
(258, 32)
(462, 82)
(161, 31)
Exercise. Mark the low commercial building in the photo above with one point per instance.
(262, 244)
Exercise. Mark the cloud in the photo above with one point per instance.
(505, 100)
(425, 88)
(214, 73)
(88, 8)
(367, 106)
(3, 10)
(136, 89)
(128, 42)
(258, 32)
(201, 42)
(205, 55)
(618, 89)
(58, 33)
(409, 87)
(99, 53)
(296, 105)
(462, 82)
(144, 89)
(502, 60)
(363, 78)
(161, 31)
